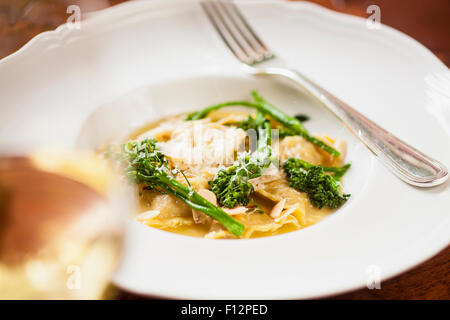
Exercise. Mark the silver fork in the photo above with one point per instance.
(408, 163)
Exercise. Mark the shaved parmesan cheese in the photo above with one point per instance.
(272, 173)
(285, 213)
(200, 143)
(237, 210)
(277, 209)
(208, 195)
(147, 215)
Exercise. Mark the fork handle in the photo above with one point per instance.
(408, 163)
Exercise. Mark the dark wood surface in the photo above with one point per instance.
(426, 21)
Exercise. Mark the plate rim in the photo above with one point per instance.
(62, 33)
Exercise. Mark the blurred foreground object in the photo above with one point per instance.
(60, 227)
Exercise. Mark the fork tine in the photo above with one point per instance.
(238, 33)
(246, 30)
(225, 33)
(235, 31)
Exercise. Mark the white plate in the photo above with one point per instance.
(140, 60)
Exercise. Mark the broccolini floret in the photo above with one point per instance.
(231, 185)
(322, 188)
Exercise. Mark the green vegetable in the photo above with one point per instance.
(197, 115)
(145, 164)
(284, 132)
(250, 123)
(322, 189)
(292, 124)
(231, 185)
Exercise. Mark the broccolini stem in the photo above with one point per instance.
(287, 120)
(203, 113)
(197, 202)
(291, 123)
(266, 108)
(338, 171)
(263, 148)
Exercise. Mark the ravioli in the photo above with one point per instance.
(275, 207)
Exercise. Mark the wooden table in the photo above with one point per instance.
(426, 21)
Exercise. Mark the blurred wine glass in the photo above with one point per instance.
(61, 223)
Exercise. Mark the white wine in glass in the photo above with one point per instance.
(60, 228)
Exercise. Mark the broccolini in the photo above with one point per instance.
(322, 189)
(292, 126)
(145, 164)
(231, 185)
